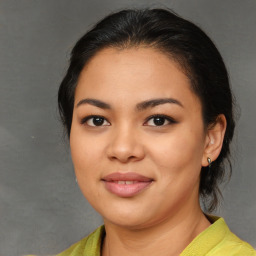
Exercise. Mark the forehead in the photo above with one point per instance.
(133, 57)
(142, 72)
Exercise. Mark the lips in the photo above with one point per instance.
(126, 184)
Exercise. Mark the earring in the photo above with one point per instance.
(209, 161)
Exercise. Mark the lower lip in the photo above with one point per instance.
(126, 190)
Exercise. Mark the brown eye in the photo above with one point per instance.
(95, 121)
(159, 120)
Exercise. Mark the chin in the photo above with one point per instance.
(132, 218)
(123, 214)
(131, 223)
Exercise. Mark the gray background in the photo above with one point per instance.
(41, 208)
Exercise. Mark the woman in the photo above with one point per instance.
(147, 106)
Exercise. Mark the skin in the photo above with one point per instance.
(167, 212)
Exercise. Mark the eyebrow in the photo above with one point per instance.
(140, 106)
(155, 102)
(96, 103)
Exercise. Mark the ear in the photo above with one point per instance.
(214, 140)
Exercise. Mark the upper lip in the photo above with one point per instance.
(128, 176)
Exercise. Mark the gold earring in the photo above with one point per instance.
(209, 161)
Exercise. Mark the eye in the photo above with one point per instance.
(159, 120)
(95, 121)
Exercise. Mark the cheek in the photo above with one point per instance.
(179, 151)
(85, 152)
(86, 157)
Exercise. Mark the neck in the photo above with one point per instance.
(169, 237)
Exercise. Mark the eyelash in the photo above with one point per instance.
(86, 119)
(166, 118)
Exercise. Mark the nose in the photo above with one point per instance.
(125, 146)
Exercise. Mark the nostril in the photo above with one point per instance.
(124, 145)
(122, 158)
(125, 154)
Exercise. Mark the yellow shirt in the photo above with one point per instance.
(216, 240)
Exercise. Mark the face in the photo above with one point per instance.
(137, 137)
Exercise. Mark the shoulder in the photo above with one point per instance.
(230, 244)
(89, 246)
(218, 240)
(234, 246)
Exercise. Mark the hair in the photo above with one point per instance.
(186, 44)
